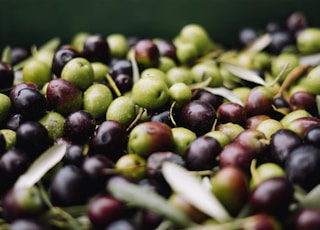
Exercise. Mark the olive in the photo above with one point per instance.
(30, 103)
(18, 54)
(307, 218)
(6, 75)
(96, 48)
(303, 166)
(312, 136)
(32, 137)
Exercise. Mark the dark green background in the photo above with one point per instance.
(25, 22)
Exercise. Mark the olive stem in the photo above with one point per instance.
(171, 113)
(113, 85)
(137, 118)
(292, 76)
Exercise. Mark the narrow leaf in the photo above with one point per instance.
(6, 55)
(226, 93)
(41, 166)
(310, 60)
(190, 187)
(259, 44)
(311, 199)
(244, 73)
(139, 197)
(135, 69)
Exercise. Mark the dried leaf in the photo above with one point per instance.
(41, 166)
(6, 55)
(190, 187)
(140, 197)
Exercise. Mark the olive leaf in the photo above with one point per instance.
(311, 199)
(41, 166)
(135, 69)
(259, 44)
(139, 197)
(190, 187)
(50, 45)
(244, 73)
(226, 93)
(310, 60)
(6, 55)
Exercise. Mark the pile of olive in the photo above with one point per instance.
(114, 132)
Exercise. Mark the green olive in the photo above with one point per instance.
(182, 137)
(166, 63)
(220, 136)
(54, 124)
(132, 166)
(78, 40)
(99, 71)
(118, 45)
(37, 72)
(204, 70)
(9, 136)
(312, 82)
(282, 60)
(122, 109)
(96, 100)
(180, 93)
(308, 41)
(269, 127)
(179, 74)
(5, 107)
(153, 72)
(186, 53)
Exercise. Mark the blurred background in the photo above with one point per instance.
(35, 21)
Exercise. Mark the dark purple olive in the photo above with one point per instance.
(13, 163)
(303, 100)
(163, 117)
(79, 126)
(246, 36)
(30, 103)
(272, 196)
(280, 40)
(146, 53)
(19, 54)
(203, 95)
(307, 218)
(96, 49)
(14, 121)
(202, 154)
(3, 143)
(104, 210)
(75, 154)
(121, 66)
(122, 224)
(109, 139)
(231, 112)
(273, 27)
(61, 57)
(6, 75)
(124, 82)
(63, 96)
(198, 116)
(69, 186)
(282, 142)
(32, 137)
(303, 166)
(296, 22)
(29, 224)
(259, 101)
(95, 167)
(167, 48)
(312, 136)
(14, 91)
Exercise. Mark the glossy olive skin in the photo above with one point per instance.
(69, 186)
(18, 54)
(272, 196)
(202, 153)
(312, 136)
(6, 75)
(61, 57)
(282, 143)
(214, 100)
(109, 139)
(32, 137)
(307, 174)
(198, 116)
(63, 96)
(96, 48)
(231, 112)
(29, 224)
(79, 126)
(30, 103)
(146, 53)
(307, 218)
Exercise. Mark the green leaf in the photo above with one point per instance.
(135, 69)
(190, 187)
(311, 199)
(41, 166)
(226, 93)
(139, 197)
(6, 55)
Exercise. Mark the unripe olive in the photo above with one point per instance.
(281, 61)
(118, 45)
(308, 40)
(132, 166)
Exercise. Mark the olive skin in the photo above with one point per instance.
(96, 48)
(32, 137)
(303, 166)
(69, 186)
(272, 196)
(6, 75)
